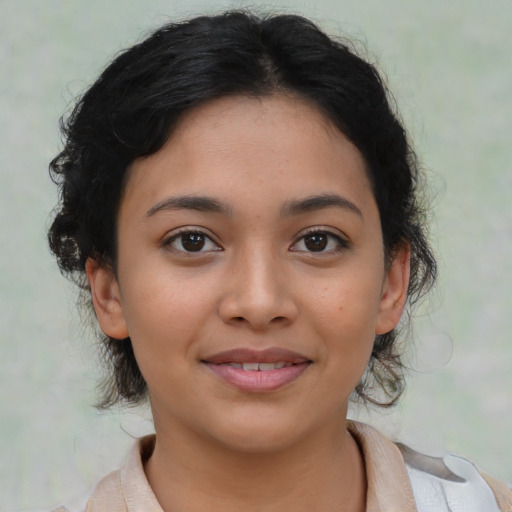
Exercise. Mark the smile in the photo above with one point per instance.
(257, 371)
(262, 367)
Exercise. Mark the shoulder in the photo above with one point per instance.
(108, 492)
(124, 488)
(398, 475)
(453, 483)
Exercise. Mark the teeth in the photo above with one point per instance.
(250, 366)
(263, 367)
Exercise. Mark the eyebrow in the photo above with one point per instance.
(318, 202)
(295, 207)
(198, 203)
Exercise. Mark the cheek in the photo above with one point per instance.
(344, 315)
(347, 302)
(164, 315)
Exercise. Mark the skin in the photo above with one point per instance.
(256, 284)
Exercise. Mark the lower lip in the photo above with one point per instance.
(258, 381)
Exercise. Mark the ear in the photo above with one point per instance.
(394, 290)
(106, 299)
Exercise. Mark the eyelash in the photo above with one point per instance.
(168, 242)
(341, 243)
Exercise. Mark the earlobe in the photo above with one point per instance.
(394, 293)
(106, 299)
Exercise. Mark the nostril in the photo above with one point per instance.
(277, 319)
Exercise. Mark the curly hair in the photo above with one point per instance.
(132, 108)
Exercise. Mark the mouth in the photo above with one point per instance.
(257, 371)
(260, 367)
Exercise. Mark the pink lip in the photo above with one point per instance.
(257, 381)
(247, 355)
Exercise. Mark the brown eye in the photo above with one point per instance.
(316, 242)
(191, 241)
(320, 242)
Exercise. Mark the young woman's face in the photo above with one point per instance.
(251, 276)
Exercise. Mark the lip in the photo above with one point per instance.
(247, 355)
(257, 381)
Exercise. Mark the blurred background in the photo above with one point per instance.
(449, 66)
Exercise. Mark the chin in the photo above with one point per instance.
(260, 433)
(260, 441)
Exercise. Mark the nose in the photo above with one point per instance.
(257, 294)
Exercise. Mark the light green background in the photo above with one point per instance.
(449, 64)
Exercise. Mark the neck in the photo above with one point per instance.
(193, 473)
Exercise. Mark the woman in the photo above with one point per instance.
(241, 204)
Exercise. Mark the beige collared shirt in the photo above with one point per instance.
(399, 480)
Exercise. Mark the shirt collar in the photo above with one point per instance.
(389, 487)
(137, 492)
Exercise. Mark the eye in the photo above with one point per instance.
(320, 241)
(191, 241)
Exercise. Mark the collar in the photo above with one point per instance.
(389, 487)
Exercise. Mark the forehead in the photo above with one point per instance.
(244, 146)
